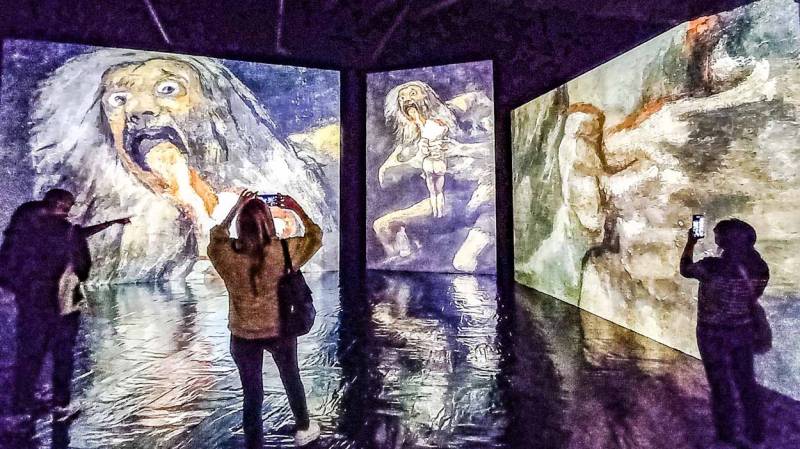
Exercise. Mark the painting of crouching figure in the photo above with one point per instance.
(168, 140)
(447, 147)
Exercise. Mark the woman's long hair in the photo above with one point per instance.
(255, 230)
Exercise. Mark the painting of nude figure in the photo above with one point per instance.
(168, 140)
(609, 168)
(430, 169)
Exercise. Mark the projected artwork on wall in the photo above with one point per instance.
(168, 140)
(430, 169)
(609, 168)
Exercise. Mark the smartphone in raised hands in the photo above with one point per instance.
(272, 199)
(698, 226)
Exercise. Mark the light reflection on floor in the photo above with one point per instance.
(429, 363)
(588, 383)
(154, 368)
(779, 369)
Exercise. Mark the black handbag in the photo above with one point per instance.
(295, 304)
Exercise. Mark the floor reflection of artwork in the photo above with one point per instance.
(430, 169)
(420, 369)
(609, 168)
(167, 139)
(438, 360)
(582, 382)
(431, 363)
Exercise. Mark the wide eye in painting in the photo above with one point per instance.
(164, 144)
(168, 88)
(118, 99)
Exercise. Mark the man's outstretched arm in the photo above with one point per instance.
(89, 231)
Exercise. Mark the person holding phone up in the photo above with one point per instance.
(251, 266)
(728, 323)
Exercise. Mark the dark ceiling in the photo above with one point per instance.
(536, 44)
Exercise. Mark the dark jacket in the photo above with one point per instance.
(36, 251)
(254, 314)
(729, 288)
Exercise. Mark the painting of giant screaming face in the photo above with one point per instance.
(430, 169)
(168, 140)
(609, 168)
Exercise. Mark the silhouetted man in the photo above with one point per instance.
(38, 246)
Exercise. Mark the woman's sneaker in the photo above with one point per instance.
(304, 437)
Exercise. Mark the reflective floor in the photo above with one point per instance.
(430, 362)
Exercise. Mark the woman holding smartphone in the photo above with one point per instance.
(251, 266)
(730, 286)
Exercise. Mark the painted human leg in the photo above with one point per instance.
(478, 239)
(430, 183)
(466, 258)
(438, 183)
(388, 227)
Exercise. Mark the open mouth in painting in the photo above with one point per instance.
(409, 106)
(139, 142)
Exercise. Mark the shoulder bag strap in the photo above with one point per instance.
(754, 298)
(287, 259)
(746, 277)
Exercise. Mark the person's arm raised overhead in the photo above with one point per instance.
(220, 234)
(302, 249)
(688, 268)
(244, 197)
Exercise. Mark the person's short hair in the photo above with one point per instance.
(735, 234)
(58, 195)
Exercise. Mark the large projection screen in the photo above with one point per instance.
(90, 119)
(609, 168)
(430, 169)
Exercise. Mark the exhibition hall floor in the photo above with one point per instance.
(430, 363)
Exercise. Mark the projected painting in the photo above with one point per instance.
(430, 169)
(609, 168)
(168, 140)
